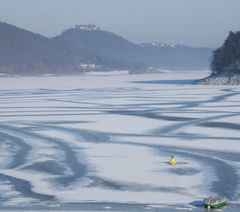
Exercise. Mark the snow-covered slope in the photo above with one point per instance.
(230, 75)
(222, 78)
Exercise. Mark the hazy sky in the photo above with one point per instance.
(191, 22)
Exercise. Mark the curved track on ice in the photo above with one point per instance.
(30, 132)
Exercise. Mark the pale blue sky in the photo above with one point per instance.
(190, 22)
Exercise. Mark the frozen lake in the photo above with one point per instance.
(102, 142)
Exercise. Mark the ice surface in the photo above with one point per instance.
(108, 138)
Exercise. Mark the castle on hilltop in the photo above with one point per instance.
(89, 27)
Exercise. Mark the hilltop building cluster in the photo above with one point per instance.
(89, 27)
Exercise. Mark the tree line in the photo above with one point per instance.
(227, 57)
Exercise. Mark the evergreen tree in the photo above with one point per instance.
(227, 56)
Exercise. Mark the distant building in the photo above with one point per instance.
(156, 44)
(89, 27)
(88, 66)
